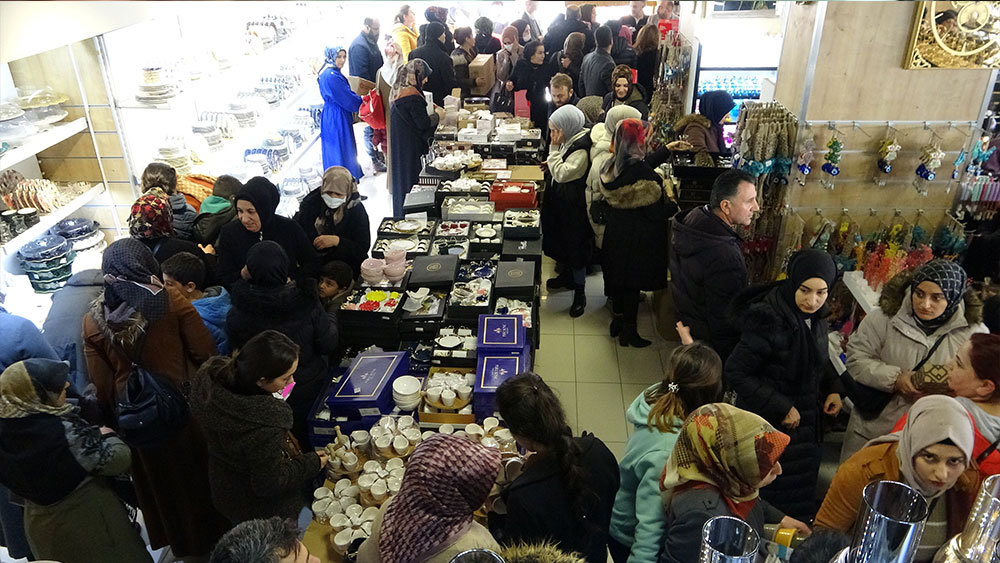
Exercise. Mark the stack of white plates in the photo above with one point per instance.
(406, 392)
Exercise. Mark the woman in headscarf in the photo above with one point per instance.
(639, 211)
(569, 59)
(780, 370)
(340, 103)
(486, 44)
(591, 108)
(439, 14)
(267, 299)
(150, 221)
(161, 178)
(413, 128)
(335, 220)
(430, 520)
(569, 240)
(932, 454)
(59, 465)
(394, 61)
(523, 33)
(625, 92)
(441, 81)
(704, 129)
(466, 52)
(724, 456)
(136, 321)
(256, 203)
(506, 58)
(531, 74)
(923, 317)
(600, 152)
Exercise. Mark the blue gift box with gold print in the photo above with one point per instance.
(367, 385)
(500, 333)
(492, 370)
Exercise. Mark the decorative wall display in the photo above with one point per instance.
(954, 35)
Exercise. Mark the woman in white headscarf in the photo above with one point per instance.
(569, 238)
(600, 151)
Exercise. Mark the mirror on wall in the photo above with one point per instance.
(954, 35)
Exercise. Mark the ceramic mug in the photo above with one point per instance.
(490, 424)
(366, 481)
(434, 394)
(371, 466)
(379, 490)
(412, 435)
(448, 397)
(340, 522)
(343, 540)
(393, 484)
(405, 421)
(350, 462)
(384, 443)
(464, 392)
(446, 429)
(474, 431)
(341, 486)
(361, 438)
(400, 444)
(321, 493)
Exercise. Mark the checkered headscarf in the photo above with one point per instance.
(952, 280)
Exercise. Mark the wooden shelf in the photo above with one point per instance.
(41, 141)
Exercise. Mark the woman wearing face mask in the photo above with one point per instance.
(335, 220)
(531, 74)
(723, 459)
(932, 454)
(923, 317)
(256, 203)
(339, 104)
(413, 128)
(442, 80)
(779, 370)
(523, 31)
(506, 58)
(625, 92)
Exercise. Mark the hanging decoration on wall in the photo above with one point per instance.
(930, 160)
(832, 158)
(804, 161)
(954, 35)
(981, 152)
(888, 150)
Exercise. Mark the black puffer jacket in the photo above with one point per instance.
(770, 375)
(184, 216)
(442, 78)
(255, 470)
(707, 271)
(353, 230)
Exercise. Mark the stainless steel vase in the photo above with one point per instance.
(889, 526)
(725, 539)
(979, 542)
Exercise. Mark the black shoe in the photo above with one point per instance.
(379, 166)
(630, 337)
(579, 303)
(562, 281)
(616, 326)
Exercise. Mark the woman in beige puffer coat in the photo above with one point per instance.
(891, 341)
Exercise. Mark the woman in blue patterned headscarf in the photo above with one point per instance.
(339, 105)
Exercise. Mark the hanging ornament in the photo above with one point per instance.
(958, 162)
(888, 150)
(832, 158)
(804, 161)
(930, 161)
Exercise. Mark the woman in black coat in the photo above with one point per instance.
(780, 370)
(336, 221)
(486, 44)
(625, 92)
(269, 300)
(635, 237)
(412, 129)
(646, 44)
(572, 51)
(256, 203)
(441, 80)
(532, 74)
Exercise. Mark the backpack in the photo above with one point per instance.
(372, 111)
(149, 408)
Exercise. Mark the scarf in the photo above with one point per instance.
(931, 420)
(591, 106)
(622, 71)
(339, 178)
(568, 119)
(410, 76)
(132, 280)
(715, 105)
(151, 216)
(725, 447)
(264, 197)
(804, 265)
(951, 278)
(628, 146)
(24, 384)
(267, 264)
(393, 61)
(447, 479)
(330, 57)
(520, 26)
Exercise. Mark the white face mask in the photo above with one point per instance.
(333, 202)
(508, 46)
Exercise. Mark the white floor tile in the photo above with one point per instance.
(596, 359)
(603, 416)
(595, 320)
(640, 365)
(554, 314)
(556, 359)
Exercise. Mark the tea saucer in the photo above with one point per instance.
(402, 244)
(449, 341)
(486, 232)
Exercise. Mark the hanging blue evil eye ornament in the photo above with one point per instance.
(958, 163)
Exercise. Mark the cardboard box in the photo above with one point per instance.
(359, 85)
(435, 419)
(525, 173)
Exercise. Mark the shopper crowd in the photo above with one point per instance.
(220, 310)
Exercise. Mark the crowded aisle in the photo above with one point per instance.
(499, 281)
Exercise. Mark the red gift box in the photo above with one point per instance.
(519, 199)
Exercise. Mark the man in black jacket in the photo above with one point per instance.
(595, 73)
(706, 260)
(556, 36)
(442, 79)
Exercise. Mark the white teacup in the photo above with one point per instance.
(320, 505)
(334, 508)
(434, 394)
(366, 527)
(393, 485)
(490, 443)
(341, 486)
(394, 463)
(352, 492)
(369, 514)
(366, 481)
(340, 522)
(462, 434)
(379, 490)
(376, 432)
(322, 492)
(412, 435)
(354, 511)
(343, 540)
(427, 435)
(350, 462)
(446, 429)
(405, 421)
(347, 501)
(448, 397)
(467, 409)
(397, 473)
(371, 466)
(384, 443)
(474, 431)
(490, 423)
(464, 392)
(400, 444)
(361, 438)
(359, 534)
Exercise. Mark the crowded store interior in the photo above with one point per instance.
(499, 281)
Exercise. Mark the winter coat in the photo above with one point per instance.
(170, 480)
(645, 66)
(535, 80)
(462, 59)
(184, 216)
(442, 78)
(295, 311)
(63, 327)
(568, 235)
(770, 376)
(699, 132)
(635, 99)
(214, 213)
(59, 465)
(880, 463)
(593, 193)
(415, 128)
(595, 74)
(638, 520)
(476, 536)
(364, 58)
(336, 128)
(213, 308)
(538, 552)
(353, 230)
(707, 270)
(689, 509)
(556, 36)
(21, 341)
(405, 37)
(573, 70)
(487, 44)
(504, 67)
(987, 431)
(538, 508)
(635, 238)
(889, 341)
(255, 468)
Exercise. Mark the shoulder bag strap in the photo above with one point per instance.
(988, 451)
(930, 352)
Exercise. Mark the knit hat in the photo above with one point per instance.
(151, 216)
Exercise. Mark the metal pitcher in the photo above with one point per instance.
(725, 539)
(979, 542)
(478, 555)
(889, 525)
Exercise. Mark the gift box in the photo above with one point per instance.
(500, 333)
(423, 324)
(530, 138)
(401, 227)
(476, 103)
(467, 208)
(523, 224)
(430, 171)
(515, 279)
(453, 246)
(444, 133)
(420, 201)
(462, 354)
(502, 149)
(414, 246)
(485, 239)
(527, 156)
(433, 271)
(491, 371)
(467, 311)
(526, 250)
(513, 195)
(366, 388)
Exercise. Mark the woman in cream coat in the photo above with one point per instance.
(600, 151)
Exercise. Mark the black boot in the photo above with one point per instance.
(579, 303)
(630, 337)
(616, 325)
(562, 281)
(378, 162)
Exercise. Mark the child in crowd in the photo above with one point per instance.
(186, 273)
(216, 210)
(335, 284)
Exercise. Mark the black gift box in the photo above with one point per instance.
(482, 247)
(453, 246)
(515, 230)
(433, 271)
(527, 156)
(420, 202)
(515, 280)
(422, 248)
(387, 228)
(524, 250)
(502, 149)
(424, 326)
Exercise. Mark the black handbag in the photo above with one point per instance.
(503, 101)
(869, 401)
(599, 211)
(149, 408)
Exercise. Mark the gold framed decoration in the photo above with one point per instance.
(954, 35)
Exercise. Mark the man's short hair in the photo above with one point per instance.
(727, 185)
(226, 186)
(603, 36)
(370, 21)
(257, 541)
(337, 271)
(573, 12)
(185, 268)
(561, 80)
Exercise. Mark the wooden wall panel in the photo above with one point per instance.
(795, 56)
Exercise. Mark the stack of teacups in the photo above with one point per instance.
(395, 438)
(372, 271)
(395, 265)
